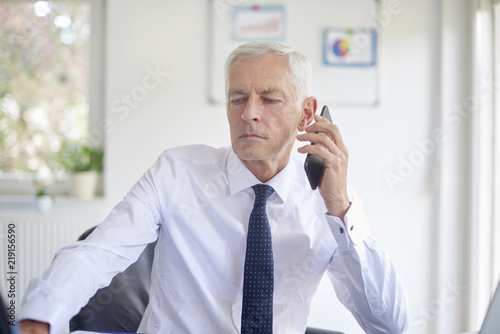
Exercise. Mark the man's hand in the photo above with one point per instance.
(331, 148)
(33, 327)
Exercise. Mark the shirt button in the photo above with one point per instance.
(341, 230)
(352, 227)
(365, 269)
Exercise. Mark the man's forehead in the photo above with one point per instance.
(265, 72)
(268, 57)
(265, 65)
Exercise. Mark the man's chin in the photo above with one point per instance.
(250, 154)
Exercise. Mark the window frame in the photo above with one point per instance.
(485, 216)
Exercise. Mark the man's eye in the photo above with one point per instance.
(236, 101)
(270, 100)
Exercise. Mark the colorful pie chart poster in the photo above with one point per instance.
(349, 47)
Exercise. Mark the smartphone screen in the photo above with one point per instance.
(314, 165)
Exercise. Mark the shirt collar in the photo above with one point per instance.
(240, 178)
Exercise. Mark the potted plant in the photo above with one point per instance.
(44, 200)
(82, 163)
(98, 161)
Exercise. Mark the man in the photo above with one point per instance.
(197, 201)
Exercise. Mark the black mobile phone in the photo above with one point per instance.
(314, 165)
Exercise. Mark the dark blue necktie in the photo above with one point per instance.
(258, 281)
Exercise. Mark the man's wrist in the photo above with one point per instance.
(29, 326)
(339, 210)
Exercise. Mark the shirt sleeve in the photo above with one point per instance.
(79, 270)
(364, 278)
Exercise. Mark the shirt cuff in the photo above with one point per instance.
(44, 309)
(355, 228)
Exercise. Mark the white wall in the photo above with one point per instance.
(172, 36)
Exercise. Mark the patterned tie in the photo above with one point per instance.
(258, 282)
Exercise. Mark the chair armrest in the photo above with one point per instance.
(311, 330)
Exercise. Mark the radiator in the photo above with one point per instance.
(29, 242)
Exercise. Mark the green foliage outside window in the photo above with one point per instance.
(44, 66)
(74, 157)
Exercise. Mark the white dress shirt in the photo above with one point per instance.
(196, 200)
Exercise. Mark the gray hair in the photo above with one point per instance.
(299, 65)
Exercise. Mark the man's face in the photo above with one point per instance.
(262, 110)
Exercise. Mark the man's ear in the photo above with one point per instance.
(309, 107)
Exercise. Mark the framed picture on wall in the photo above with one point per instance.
(349, 47)
(344, 73)
(258, 23)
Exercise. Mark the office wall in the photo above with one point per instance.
(156, 98)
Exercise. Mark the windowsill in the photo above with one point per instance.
(20, 187)
(24, 205)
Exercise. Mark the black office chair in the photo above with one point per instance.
(119, 307)
(311, 330)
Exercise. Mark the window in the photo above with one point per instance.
(49, 56)
(496, 148)
(485, 240)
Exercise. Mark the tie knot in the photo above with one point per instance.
(262, 193)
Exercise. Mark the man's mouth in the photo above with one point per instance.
(251, 135)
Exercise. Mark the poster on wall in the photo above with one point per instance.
(258, 23)
(349, 47)
(340, 42)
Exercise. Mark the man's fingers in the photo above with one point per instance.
(318, 127)
(324, 147)
(337, 138)
(319, 150)
(323, 140)
(322, 127)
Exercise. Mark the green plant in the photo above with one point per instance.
(97, 159)
(75, 157)
(40, 189)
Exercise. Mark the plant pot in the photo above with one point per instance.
(83, 185)
(44, 203)
(100, 185)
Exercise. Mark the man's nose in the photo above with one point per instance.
(252, 111)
